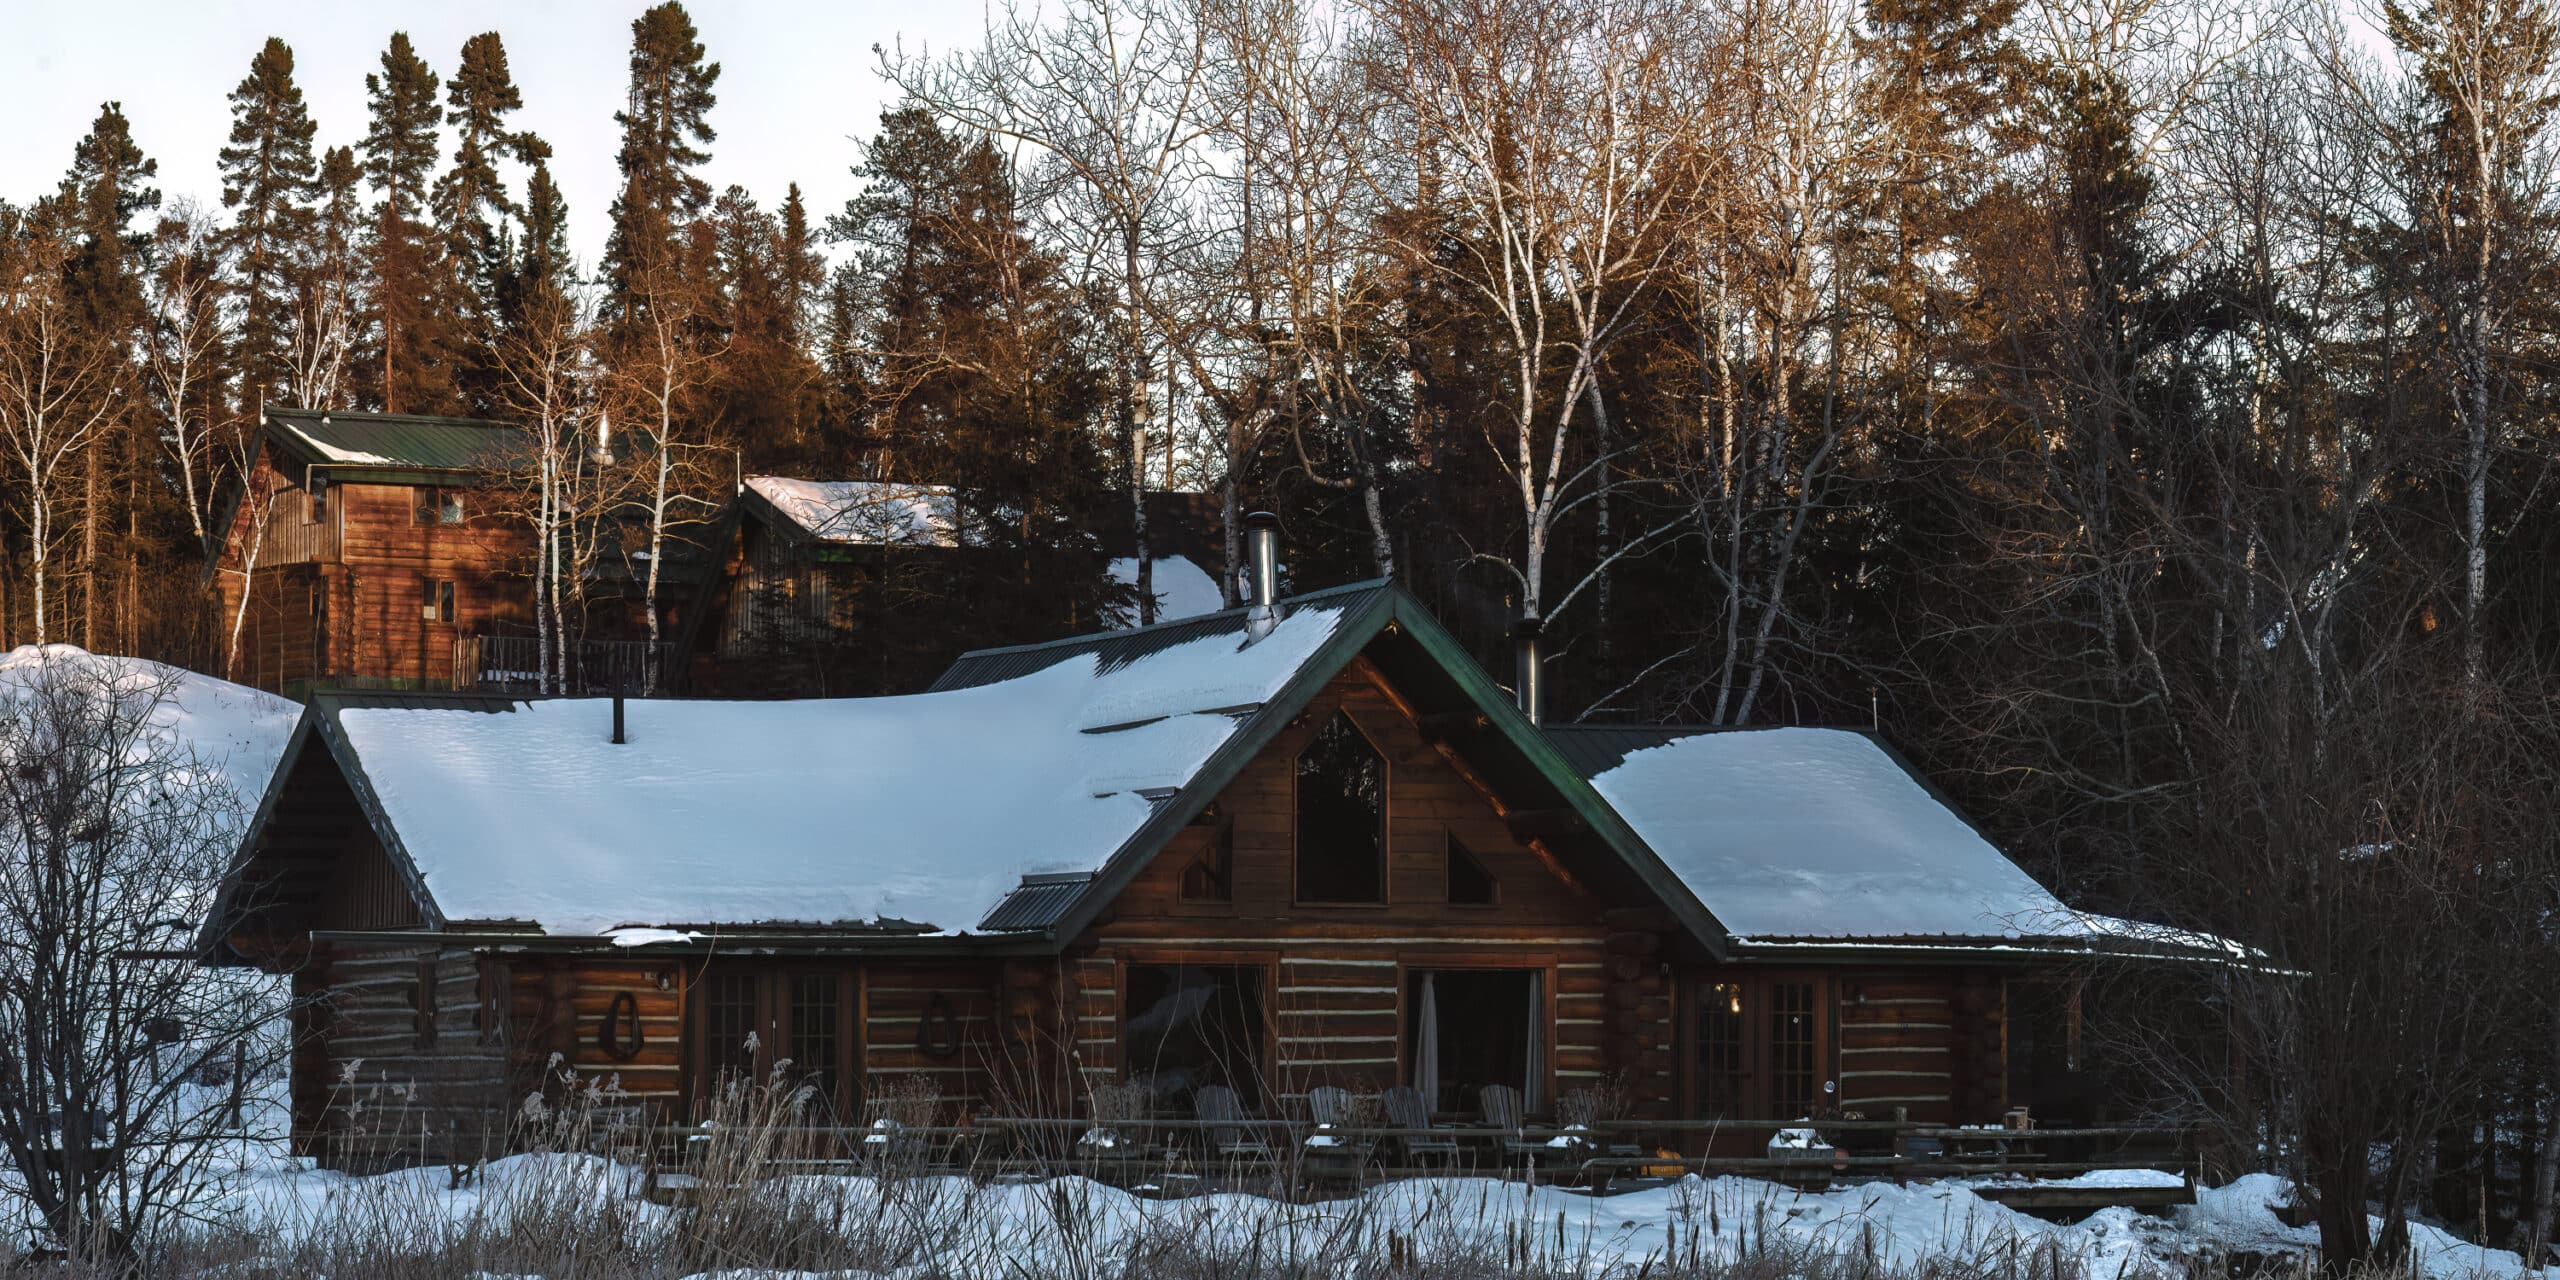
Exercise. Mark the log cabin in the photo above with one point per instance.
(390, 555)
(1306, 842)
(831, 586)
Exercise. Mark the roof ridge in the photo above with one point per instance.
(1089, 637)
(364, 415)
(1685, 727)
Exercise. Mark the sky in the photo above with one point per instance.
(798, 82)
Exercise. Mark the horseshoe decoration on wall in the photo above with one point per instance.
(938, 1031)
(620, 1037)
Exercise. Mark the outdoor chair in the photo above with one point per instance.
(1501, 1104)
(1406, 1111)
(1229, 1135)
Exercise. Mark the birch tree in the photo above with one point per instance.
(181, 351)
(60, 387)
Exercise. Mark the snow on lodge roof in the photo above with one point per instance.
(1813, 835)
(1016, 792)
(925, 809)
(865, 513)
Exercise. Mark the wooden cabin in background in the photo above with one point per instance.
(1308, 843)
(379, 549)
(393, 555)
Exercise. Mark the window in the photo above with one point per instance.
(1720, 1071)
(1211, 877)
(1760, 1047)
(1469, 884)
(315, 502)
(438, 605)
(1342, 817)
(815, 1031)
(437, 506)
(1191, 1025)
(1466, 1029)
(750, 1020)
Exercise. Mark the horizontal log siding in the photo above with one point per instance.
(1338, 971)
(378, 1097)
(390, 558)
(971, 1078)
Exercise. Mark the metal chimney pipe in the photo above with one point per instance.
(1262, 562)
(618, 738)
(1529, 677)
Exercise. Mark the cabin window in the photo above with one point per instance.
(1190, 1025)
(1211, 876)
(437, 506)
(438, 604)
(817, 1031)
(1760, 1048)
(1467, 1030)
(1342, 817)
(751, 1021)
(1469, 884)
(729, 1023)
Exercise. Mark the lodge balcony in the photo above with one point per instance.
(513, 665)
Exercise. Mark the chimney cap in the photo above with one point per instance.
(1528, 628)
(1261, 520)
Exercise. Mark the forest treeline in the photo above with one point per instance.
(2140, 409)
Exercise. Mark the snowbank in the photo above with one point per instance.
(1005, 1229)
(1182, 589)
(237, 730)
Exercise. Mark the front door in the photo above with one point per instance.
(778, 1026)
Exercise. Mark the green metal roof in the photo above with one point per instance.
(391, 448)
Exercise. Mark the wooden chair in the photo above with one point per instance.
(1331, 1151)
(1405, 1111)
(1328, 1106)
(1501, 1105)
(1228, 1133)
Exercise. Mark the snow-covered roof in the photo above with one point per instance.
(1182, 588)
(236, 730)
(865, 512)
(1822, 834)
(924, 809)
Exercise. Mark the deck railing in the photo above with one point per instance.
(513, 664)
(1295, 1153)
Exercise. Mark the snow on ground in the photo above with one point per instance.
(1182, 589)
(238, 730)
(926, 808)
(1035, 1228)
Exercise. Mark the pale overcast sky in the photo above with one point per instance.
(797, 81)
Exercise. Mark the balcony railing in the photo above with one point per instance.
(513, 664)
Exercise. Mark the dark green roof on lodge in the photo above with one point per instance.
(389, 448)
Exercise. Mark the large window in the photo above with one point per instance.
(749, 1020)
(1760, 1047)
(1342, 817)
(1467, 1029)
(1191, 1025)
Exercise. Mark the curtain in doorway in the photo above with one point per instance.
(1530, 1093)
(1426, 1049)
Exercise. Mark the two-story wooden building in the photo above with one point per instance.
(1310, 843)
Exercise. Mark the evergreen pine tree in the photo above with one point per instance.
(472, 207)
(268, 174)
(663, 128)
(408, 369)
(105, 197)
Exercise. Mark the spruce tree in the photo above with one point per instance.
(408, 365)
(268, 175)
(472, 208)
(105, 196)
(664, 127)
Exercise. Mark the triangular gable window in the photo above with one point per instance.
(1470, 885)
(1342, 817)
(1211, 877)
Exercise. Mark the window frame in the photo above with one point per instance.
(440, 602)
(772, 989)
(1451, 849)
(434, 505)
(1756, 1098)
(1386, 818)
(1264, 964)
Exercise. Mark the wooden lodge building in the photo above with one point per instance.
(392, 556)
(1277, 847)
